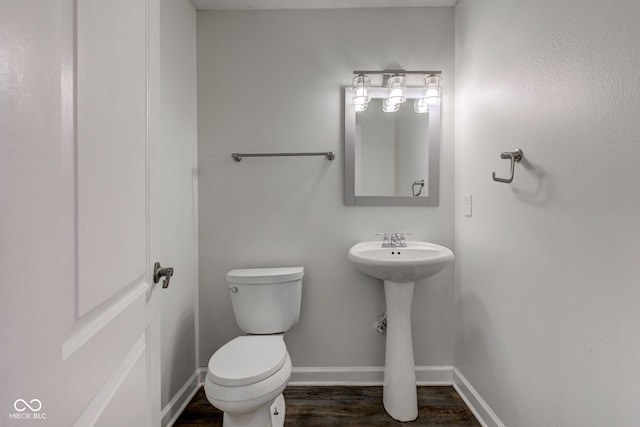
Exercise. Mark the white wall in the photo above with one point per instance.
(272, 81)
(547, 294)
(177, 165)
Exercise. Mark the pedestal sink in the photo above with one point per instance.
(399, 267)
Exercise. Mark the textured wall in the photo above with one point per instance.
(272, 81)
(547, 294)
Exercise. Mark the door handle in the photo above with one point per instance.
(159, 272)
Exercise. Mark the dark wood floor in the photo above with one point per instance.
(345, 406)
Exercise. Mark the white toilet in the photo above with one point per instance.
(246, 376)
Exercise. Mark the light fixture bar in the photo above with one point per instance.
(395, 87)
(398, 72)
(412, 78)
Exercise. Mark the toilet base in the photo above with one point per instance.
(278, 409)
(269, 415)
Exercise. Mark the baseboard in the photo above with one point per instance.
(174, 408)
(474, 401)
(368, 375)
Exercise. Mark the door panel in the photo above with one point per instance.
(96, 350)
(80, 321)
(117, 401)
(111, 355)
(112, 52)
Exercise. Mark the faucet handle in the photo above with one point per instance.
(403, 242)
(385, 239)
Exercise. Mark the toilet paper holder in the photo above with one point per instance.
(515, 157)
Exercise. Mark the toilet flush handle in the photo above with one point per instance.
(233, 289)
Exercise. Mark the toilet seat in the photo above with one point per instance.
(239, 399)
(247, 360)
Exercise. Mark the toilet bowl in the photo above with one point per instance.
(246, 376)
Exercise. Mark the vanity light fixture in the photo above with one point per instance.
(395, 87)
(361, 92)
(432, 93)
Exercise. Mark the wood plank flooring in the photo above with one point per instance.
(325, 406)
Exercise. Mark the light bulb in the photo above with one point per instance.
(360, 107)
(361, 89)
(421, 106)
(432, 92)
(390, 107)
(396, 89)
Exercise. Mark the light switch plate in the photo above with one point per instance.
(467, 205)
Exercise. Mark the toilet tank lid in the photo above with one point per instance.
(265, 275)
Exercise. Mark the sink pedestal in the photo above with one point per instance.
(400, 267)
(400, 397)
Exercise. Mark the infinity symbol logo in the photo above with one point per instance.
(21, 405)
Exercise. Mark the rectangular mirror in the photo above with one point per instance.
(391, 159)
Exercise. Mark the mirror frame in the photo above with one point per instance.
(433, 173)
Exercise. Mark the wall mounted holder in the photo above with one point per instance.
(514, 156)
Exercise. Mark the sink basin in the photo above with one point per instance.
(417, 261)
(399, 268)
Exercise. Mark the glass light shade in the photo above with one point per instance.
(421, 106)
(390, 107)
(360, 107)
(396, 89)
(361, 89)
(432, 92)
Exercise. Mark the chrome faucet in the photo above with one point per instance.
(395, 241)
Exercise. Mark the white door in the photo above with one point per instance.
(80, 316)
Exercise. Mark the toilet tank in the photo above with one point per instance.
(266, 300)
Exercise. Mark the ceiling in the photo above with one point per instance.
(313, 4)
